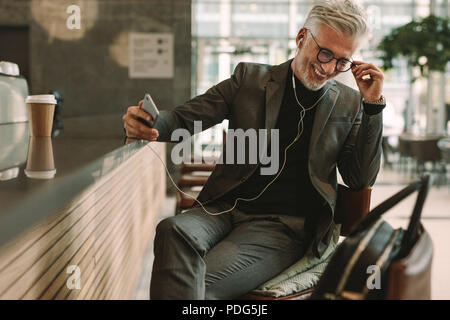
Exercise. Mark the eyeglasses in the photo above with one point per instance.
(325, 56)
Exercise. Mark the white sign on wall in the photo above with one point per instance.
(151, 55)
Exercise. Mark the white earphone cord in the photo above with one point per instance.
(299, 133)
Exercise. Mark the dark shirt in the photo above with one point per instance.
(292, 192)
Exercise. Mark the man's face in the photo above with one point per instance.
(312, 73)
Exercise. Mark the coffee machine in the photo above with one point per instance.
(13, 121)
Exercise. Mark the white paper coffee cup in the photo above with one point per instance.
(41, 109)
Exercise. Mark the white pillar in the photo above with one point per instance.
(432, 107)
(293, 29)
(411, 109)
(225, 32)
(436, 90)
(442, 116)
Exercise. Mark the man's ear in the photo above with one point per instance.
(300, 36)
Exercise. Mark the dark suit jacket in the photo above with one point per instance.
(343, 135)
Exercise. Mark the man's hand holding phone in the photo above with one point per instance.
(135, 128)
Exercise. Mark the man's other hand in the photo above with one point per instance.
(136, 129)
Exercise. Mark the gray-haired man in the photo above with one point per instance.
(322, 124)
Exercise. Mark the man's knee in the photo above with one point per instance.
(175, 229)
(166, 228)
(165, 225)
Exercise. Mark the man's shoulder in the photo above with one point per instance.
(253, 72)
(254, 65)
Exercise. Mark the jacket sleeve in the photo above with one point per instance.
(210, 108)
(359, 160)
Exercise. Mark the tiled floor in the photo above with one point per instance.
(436, 219)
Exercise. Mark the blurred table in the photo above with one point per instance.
(421, 147)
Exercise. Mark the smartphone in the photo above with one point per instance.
(150, 107)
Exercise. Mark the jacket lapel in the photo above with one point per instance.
(323, 112)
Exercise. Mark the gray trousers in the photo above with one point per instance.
(200, 256)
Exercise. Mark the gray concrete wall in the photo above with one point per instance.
(90, 66)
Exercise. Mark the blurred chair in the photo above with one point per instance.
(389, 150)
(444, 147)
(426, 150)
(406, 157)
(193, 178)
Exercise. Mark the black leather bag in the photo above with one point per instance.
(359, 269)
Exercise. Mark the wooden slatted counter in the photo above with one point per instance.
(106, 215)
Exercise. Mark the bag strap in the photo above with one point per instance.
(422, 185)
(412, 233)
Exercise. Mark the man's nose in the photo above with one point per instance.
(329, 67)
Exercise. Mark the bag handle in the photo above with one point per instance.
(413, 231)
(423, 186)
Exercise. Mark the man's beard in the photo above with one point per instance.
(306, 78)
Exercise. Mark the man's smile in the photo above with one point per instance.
(319, 75)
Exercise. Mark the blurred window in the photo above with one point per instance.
(226, 32)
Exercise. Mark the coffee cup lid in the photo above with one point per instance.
(41, 98)
(49, 174)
